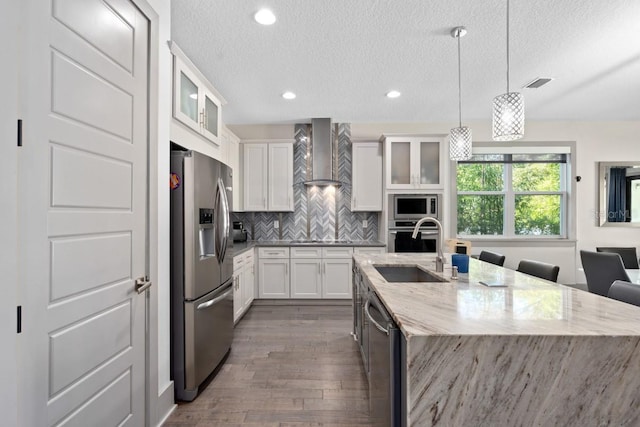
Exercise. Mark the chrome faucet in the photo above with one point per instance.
(439, 257)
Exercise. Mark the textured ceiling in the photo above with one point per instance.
(341, 56)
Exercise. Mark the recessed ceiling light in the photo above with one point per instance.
(289, 95)
(264, 17)
(393, 94)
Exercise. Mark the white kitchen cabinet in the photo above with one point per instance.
(414, 162)
(306, 279)
(273, 272)
(321, 272)
(280, 180)
(267, 176)
(243, 283)
(367, 186)
(237, 297)
(195, 102)
(369, 250)
(336, 278)
(254, 165)
(249, 284)
(336, 272)
(231, 156)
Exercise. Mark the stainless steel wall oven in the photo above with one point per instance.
(407, 210)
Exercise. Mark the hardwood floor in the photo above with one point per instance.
(288, 366)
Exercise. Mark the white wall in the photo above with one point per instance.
(9, 11)
(263, 131)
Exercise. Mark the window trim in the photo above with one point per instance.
(567, 189)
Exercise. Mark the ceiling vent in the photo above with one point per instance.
(537, 82)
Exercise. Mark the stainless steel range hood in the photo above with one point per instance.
(322, 154)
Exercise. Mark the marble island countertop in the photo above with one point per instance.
(526, 305)
(532, 353)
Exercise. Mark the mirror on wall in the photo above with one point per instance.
(619, 185)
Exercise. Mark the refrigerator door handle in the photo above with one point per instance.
(214, 301)
(221, 194)
(221, 221)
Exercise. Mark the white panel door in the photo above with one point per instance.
(280, 177)
(255, 176)
(83, 184)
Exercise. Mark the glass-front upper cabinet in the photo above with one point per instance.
(195, 102)
(413, 162)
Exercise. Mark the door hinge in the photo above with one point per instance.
(19, 132)
(19, 319)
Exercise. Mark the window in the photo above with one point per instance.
(512, 195)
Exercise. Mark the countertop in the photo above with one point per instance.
(241, 247)
(526, 306)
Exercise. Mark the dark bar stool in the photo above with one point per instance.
(625, 292)
(492, 257)
(628, 255)
(602, 269)
(539, 269)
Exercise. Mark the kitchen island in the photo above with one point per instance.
(529, 353)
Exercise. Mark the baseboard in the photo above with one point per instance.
(166, 404)
(323, 302)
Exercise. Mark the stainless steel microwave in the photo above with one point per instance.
(415, 206)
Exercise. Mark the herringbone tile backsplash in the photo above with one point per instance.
(319, 212)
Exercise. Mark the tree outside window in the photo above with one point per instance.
(512, 195)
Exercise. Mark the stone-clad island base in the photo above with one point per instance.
(524, 381)
(532, 353)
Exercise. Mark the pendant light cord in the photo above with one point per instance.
(459, 86)
(507, 46)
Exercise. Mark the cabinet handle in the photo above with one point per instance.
(286, 269)
(264, 202)
(202, 118)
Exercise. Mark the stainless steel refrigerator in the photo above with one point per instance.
(201, 269)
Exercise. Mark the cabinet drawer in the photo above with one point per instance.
(247, 257)
(238, 262)
(337, 252)
(369, 251)
(273, 252)
(306, 252)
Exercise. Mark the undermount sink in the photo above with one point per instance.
(407, 274)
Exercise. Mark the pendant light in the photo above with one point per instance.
(460, 137)
(508, 108)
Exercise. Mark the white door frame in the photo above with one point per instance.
(151, 336)
(8, 211)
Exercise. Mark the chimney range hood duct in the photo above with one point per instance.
(322, 154)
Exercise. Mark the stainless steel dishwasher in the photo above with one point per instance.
(385, 383)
